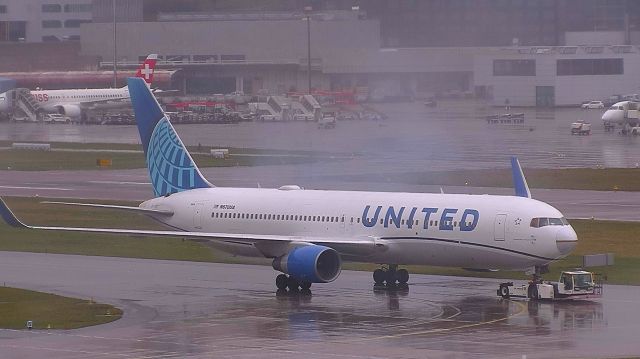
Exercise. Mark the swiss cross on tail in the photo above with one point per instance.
(145, 70)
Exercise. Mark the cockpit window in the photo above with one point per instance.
(555, 222)
(544, 221)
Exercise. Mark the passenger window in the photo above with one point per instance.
(351, 219)
(431, 222)
(358, 219)
(402, 222)
(381, 221)
(417, 222)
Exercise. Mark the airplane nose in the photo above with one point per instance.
(566, 240)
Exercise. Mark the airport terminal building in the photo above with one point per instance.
(524, 52)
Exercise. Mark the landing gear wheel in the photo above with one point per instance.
(403, 276)
(305, 285)
(391, 278)
(293, 284)
(379, 276)
(504, 291)
(281, 281)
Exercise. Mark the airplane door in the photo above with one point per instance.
(197, 215)
(499, 227)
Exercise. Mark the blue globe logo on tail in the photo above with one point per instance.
(170, 166)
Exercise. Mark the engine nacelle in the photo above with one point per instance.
(71, 111)
(313, 263)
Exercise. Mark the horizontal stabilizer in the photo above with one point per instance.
(122, 208)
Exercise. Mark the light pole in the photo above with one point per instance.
(307, 11)
(115, 48)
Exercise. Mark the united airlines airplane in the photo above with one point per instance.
(309, 233)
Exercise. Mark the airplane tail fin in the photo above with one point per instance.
(147, 68)
(519, 182)
(170, 165)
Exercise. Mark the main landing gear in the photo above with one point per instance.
(284, 282)
(390, 276)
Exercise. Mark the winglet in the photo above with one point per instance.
(9, 217)
(519, 182)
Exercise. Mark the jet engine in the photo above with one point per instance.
(71, 111)
(312, 263)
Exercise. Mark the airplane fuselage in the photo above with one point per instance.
(624, 113)
(49, 100)
(470, 231)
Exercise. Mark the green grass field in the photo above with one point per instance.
(83, 156)
(50, 311)
(620, 238)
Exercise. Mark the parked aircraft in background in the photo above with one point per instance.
(623, 114)
(308, 233)
(71, 102)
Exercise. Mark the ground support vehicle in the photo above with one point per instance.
(592, 105)
(573, 285)
(56, 118)
(581, 128)
(328, 120)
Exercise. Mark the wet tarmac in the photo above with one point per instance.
(452, 136)
(202, 310)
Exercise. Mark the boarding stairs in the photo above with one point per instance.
(310, 112)
(26, 103)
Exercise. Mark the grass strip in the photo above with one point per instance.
(50, 311)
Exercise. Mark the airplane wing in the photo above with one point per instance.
(350, 246)
(163, 212)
